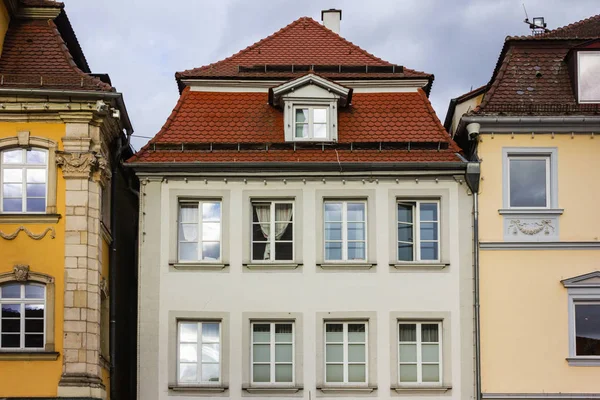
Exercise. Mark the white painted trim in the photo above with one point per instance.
(390, 89)
(539, 245)
(229, 89)
(588, 54)
(311, 79)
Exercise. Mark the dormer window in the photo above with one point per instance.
(588, 71)
(311, 122)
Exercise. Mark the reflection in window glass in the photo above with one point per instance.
(311, 123)
(199, 352)
(418, 230)
(22, 316)
(200, 231)
(587, 329)
(589, 71)
(345, 228)
(24, 180)
(528, 178)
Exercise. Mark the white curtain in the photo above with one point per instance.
(283, 214)
(263, 212)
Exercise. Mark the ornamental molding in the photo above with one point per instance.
(81, 165)
(21, 272)
(104, 287)
(531, 227)
(11, 236)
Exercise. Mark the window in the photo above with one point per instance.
(272, 352)
(200, 231)
(22, 317)
(589, 70)
(199, 352)
(345, 230)
(310, 122)
(272, 231)
(529, 181)
(587, 328)
(419, 353)
(24, 178)
(418, 230)
(346, 352)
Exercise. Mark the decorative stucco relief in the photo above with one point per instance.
(76, 165)
(21, 272)
(11, 236)
(531, 228)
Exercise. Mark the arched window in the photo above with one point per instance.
(23, 316)
(24, 180)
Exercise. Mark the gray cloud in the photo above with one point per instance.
(142, 43)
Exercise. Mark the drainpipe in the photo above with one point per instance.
(473, 177)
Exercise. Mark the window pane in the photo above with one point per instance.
(356, 373)
(283, 373)
(320, 131)
(356, 332)
(429, 212)
(188, 251)
(283, 333)
(36, 205)
(188, 352)
(333, 231)
(301, 130)
(429, 251)
(333, 212)
(34, 325)
(11, 325)
(259, 251)
(405, 213)
(188, 213)
(356, 353)
(283, 212)
(334, 373)
(587, 329)
(429, 333)
(262, 353)
(333, 251)
(211, 353)
(405, 252)
(301, 114)
(12, 190)
(34, 310)
(36, 157)
(589, 70)
(356, 251)
(210, 333)
(210, 372)
(211, 251)
(211, 211)
(334, 332)
(405, 233)
(36, 190)
(188, 332)
(211, 231)
(408, 333)
(283, 353)
(430, 352)
(11, 291)
(261, 333)
(334, 353)
(257, 233)
(262, 373)
(12, 156)
(320, 115)
(36, 175)
(11, 310)
(431, 373)
(429, 231)
(528, 182)
(187, 372)
(284, 231)
(188, 232)
(356, 231)
(408, 373)
(34, 341)
(408, 353)
(356, 211)
(12, 176)
(12, 205)
(10, 341)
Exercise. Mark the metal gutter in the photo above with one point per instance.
(543, 124)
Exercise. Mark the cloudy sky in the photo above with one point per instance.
(142, 43)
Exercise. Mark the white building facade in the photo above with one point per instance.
(328, 263)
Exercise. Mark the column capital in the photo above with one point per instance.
(77, 165)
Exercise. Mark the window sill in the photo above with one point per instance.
(199, 266)
(272, 389)
(270, 266)
(584, 362)
(531, 211)
(419, 265)
(198, 388)
(30, 218)
(347, 389)
(346, 265)
(421, 389)
(28, 355)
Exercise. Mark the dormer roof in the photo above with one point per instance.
(278, 92)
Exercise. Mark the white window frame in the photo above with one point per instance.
(311, 108)
(199, 204)
(575, 300)
(416, 225)
(199, 342)
(345, 362)
(22, 301)
(272, 239)
(24, 166)
(344, 240)
(272, 363)
(419, 363)
(531, 157)
(579, 55)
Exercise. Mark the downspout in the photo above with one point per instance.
(473, 177)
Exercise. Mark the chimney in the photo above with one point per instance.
(331, 19)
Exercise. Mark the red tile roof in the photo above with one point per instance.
(588, 28)
(36, 56)
(218, 117)
(303, 42)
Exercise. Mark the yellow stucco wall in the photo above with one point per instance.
(45, 256)
(524, 321)
(4, 21)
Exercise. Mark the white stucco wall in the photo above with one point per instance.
(309, 290)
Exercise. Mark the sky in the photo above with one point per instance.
(142, 43)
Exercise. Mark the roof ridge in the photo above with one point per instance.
(572, 25)
(278, 33)
(555, 33)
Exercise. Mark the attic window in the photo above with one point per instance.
(588, 65)
(311, 123)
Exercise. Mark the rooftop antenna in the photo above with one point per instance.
(537, 25)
